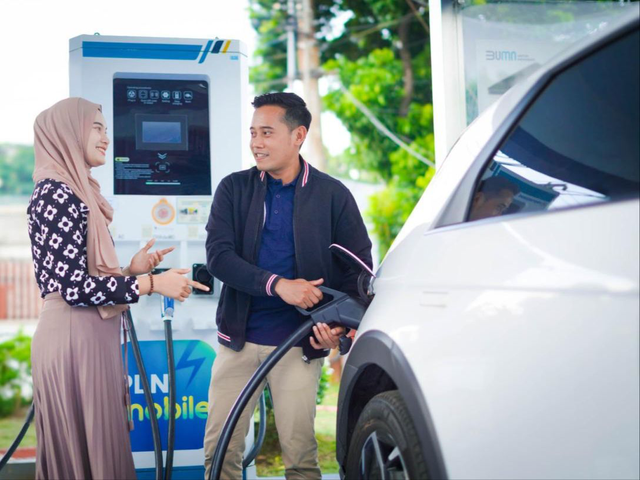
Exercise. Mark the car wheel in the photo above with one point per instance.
(385, 444)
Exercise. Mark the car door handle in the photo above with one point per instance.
(434, 299)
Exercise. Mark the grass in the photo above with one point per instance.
(10, 426)
(269, 462)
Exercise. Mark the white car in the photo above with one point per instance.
(503, 339)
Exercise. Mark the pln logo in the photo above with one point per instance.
(194, 360)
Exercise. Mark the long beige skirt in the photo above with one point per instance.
(79, 386)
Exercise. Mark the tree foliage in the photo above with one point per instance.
(269, 19)
(382, 58)
(15, 373)
(16, 168)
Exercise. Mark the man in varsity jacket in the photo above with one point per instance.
(268, 239)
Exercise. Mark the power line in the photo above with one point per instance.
(367, 30)
(418, 16)
(382, 128)
(280, 56)
(374, 120)
(376, 27)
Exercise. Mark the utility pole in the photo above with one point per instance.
(291, 43)
(310, 69)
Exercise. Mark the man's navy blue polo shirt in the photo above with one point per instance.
(272, 320)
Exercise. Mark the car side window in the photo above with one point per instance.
(577, 144)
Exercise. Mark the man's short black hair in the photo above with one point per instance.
(493, 186)
(296, 112)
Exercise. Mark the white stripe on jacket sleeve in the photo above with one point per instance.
(269, 283)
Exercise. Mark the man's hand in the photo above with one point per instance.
(299, 292)
(326, 337)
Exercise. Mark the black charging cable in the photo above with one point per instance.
(248, 391)
(168, 310)
(18, 439)
(340, 310)
(153, 418)
(262, 430)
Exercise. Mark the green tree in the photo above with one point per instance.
(269, 19)
(382, 59)
(16, 168)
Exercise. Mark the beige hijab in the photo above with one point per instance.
(61, 138)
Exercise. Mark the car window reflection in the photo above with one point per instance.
(578, 143)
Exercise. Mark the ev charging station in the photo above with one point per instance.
(479, 49)
(176, 110)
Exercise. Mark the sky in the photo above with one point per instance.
(34, 47)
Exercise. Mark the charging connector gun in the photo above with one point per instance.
(339, 309)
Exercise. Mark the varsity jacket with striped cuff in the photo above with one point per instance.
(324, 212)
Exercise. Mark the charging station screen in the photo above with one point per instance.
(161, 137)
(161, 132)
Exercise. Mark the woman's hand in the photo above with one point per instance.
(174, 284)
(143, 261)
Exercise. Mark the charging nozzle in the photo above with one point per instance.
(341, 309)
(167, 308)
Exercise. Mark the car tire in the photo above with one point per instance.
(385, 440)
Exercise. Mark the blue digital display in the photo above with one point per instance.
(161, 132)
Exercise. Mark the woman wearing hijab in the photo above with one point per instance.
(78, 378)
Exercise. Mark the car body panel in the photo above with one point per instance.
(535, 353)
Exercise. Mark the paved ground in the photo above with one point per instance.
(25, 470)
(333, 476)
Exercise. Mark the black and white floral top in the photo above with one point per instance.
(58, 232)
